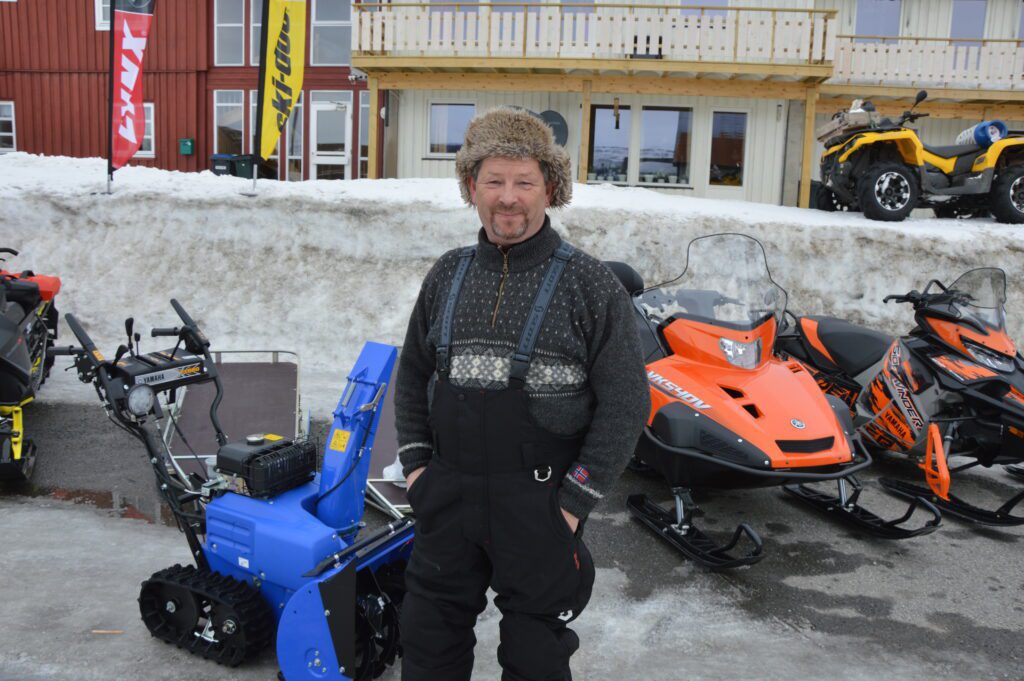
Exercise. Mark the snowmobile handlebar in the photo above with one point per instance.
(69, 350)
(80, 334)
(165, 331)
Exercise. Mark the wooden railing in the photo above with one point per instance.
(929, 62)
(688, 33)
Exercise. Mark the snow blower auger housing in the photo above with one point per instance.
(726, 413)
(882, 168)
(276, 544)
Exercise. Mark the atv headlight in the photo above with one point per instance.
(993, 360)
(742, 355)
(140, 399)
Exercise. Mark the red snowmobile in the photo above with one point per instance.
(954, 386)
(728, 414)
(28, 326)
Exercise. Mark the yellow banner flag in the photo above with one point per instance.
(282, 66)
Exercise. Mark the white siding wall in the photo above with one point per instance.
(763, 158)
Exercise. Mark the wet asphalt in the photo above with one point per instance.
(825, 602)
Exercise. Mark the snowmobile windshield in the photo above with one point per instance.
(980, 297)
(725, 282)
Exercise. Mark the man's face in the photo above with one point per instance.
(510, 196)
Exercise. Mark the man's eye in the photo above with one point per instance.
(493, 183)
(525, 184)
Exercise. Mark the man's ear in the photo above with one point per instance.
(472, 190)
(550, 192)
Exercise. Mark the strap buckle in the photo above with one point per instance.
(542, 473)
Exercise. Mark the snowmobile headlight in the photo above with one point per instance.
(993, 360)
(742, 355)
(140, 399)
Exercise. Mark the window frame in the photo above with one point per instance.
(689, 146)
(14, 127)
(313, 24)
(442, 156)
(216, 107)
(98, 5)
(742, 186)
(149, 112)
(242, 26)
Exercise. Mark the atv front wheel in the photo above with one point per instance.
(1007, 196)
(888, 191)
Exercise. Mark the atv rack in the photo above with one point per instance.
(680, 531)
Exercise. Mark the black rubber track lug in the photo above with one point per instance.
(1001, 517)
(694, 544)
(863, 519)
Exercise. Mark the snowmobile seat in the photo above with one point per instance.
(955, 150)
(23, 292)
(850, 347)
(631, 280)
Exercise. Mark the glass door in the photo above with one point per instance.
(330, 125)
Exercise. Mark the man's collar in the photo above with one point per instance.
(522, 256)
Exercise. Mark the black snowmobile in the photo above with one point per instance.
(28, 327)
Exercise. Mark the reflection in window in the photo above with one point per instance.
(364, 134)
(448, 126)
(877, 19)
(728, 135)
(331, 33)
(968, 21)
(229, 32)
(255, 29)
(294, 134)
(227, 121)
(609, 145)
(665, 145)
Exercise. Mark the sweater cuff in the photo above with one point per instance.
(577, 498)
(415, 455)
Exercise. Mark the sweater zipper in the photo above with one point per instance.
(501, 288)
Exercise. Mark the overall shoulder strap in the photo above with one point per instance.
(465, 258)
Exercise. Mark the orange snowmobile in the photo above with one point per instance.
(727, 414)
(953, 386)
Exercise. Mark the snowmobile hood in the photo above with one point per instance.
(777, 408)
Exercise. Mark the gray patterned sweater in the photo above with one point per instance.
(587, 374)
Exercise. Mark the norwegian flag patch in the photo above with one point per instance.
(581, 475)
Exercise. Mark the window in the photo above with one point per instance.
(728, 136)
(877, 19)
(448, 126)
(229, 33)
(707, 12)
(268, 168)
(148, 147)
(609, 143)
(665, 145)
(8, 135)
(294, 134)
(255, 28)
(102, 15)
(227, 121)
(364, 133)
(968, 21)
(332, 33)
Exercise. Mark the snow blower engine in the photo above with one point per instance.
(275, 542)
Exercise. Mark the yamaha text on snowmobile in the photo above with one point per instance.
(727, 414)
(274, 541)
(28, 327)
(953, 386)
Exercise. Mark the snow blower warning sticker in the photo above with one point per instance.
(340, 440)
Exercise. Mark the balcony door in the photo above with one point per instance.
(330, 130)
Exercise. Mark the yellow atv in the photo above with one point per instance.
(882, 168)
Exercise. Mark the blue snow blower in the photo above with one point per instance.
(276, 543)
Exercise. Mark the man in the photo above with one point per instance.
(520, 396)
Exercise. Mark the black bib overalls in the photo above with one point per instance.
(487, 515)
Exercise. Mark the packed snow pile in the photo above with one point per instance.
(320, 267)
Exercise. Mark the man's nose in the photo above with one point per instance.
(508, 194)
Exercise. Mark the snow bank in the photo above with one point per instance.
(320, 267)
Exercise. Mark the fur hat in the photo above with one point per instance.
(514, 133)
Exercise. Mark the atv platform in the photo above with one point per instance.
(844, 508)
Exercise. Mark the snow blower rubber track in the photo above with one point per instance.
(1001, 517)
(693, 543)
(209, 615)
(863, 519)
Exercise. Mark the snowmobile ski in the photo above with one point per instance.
(680, 531)
(845, 508)
(1016, 470)
(1002, 516)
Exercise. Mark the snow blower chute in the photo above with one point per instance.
(276, 543)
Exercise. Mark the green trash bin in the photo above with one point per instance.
(242, 165)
